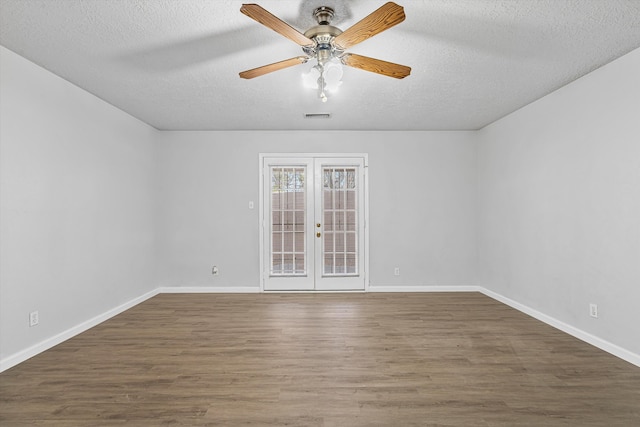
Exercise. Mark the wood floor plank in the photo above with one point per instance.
(433, 359)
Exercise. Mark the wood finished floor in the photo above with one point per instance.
(432, 359)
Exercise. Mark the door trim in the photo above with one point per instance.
(262, 158)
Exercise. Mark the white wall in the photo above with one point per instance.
(422, 204)
(77, 198)
(559, 204)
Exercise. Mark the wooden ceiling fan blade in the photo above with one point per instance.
(376, 65)
(264, 17)
(266, 69)
(382, 19)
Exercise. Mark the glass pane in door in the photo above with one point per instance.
(340, 213)
(288, 213)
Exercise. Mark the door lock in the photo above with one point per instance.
(318, 225)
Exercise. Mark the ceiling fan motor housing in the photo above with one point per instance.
(323, 34)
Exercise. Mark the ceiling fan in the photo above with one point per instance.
(327, 44)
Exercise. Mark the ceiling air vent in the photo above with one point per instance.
(317, 115)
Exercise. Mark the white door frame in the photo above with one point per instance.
(263, 157)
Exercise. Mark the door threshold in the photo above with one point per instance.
(336, 291)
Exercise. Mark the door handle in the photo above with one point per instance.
(318, 234)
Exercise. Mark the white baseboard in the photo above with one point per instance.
(617, 351)
(209, 289)
(28, 353)
(424, 288)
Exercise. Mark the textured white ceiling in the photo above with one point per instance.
(174, 63)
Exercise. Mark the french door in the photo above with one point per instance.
(313, 223)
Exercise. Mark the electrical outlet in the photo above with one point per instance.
(34, 318)
(593, 310)
(396, 271)
(215, 270)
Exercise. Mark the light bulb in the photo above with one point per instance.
(310, 79)
(332, 75)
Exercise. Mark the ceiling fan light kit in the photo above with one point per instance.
(327, 44)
